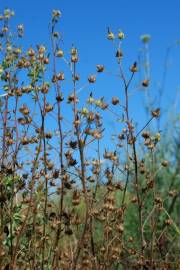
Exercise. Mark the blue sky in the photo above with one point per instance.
(84, 23)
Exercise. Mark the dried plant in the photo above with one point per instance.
(67, 200)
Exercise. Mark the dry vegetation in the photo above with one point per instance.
(65, 201)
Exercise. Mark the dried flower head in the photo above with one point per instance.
(145, 38)
(156, 113)
(121, 35)
(115, 101)
(56, 13)
(100, 68)
(59, 53)
(92, 79)
(110, 35)
(119, 53)
(134, 67)
(145, 83)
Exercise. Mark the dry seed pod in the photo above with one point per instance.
(119, 186)
(5, 29)
(33, 140)
(151, 146)
(48, 108)
(134, 67)
(104, 106)
(158, 200)
(38, 130)
(73, 144)
(92, 79)
(68, 231)
(18, 92)
(145, 134)
(24, 110)
(76, 198)
(91, 116)
(115, 100)
(54, 79)
(157, 137)
(76, 77)
(147, 142)
(31, 52)
(41, 49)
(24, 141)
(142, 168)
(91, 179)
(121, 35)
(168, 222)
(20, 63)
(72, 99)
(9, 141)
(120, 228)
(132, 251)
(72, 162)
(68, 154)
(73, 51)
(150, 184)
(50, 166)
(156, 113)
(60, 53)
(96, 134)
(48, 135)
(56, 174)
(74, 58)
(56, 34)
(100, 68)
(60, 76)
(27, 64)
(77, 122)
(165, 163)
(130, 239)
(26, 89)
(110, 35)
(119, 53)
(59, 98)
(107, 154)
(134, 199)
(87, 131)
(46, 60)
(21, 121)
(121, 136)
(145, 83)
(172, 193)
(44, 89)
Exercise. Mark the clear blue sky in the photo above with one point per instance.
(84, 23)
